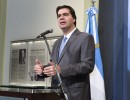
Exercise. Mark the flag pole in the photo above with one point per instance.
(93, 2)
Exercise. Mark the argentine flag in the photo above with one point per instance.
(96, 77)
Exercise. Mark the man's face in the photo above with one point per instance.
(65, 19)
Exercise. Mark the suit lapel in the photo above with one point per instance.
(69, 42)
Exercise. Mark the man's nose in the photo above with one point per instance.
(61, 17)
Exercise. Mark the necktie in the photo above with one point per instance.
(62, 45)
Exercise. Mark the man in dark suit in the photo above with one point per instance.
(76, 61)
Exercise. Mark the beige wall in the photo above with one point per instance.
(2, 35)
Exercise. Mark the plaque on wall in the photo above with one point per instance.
(18, 63)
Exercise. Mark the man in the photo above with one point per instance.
(22, 56)
(76, 60)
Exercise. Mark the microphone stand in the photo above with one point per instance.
(57, 73)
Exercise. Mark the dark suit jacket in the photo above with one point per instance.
(76, 62)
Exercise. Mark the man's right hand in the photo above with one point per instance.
(38, 68)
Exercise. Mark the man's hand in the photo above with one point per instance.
(50, 70)
(38, 68)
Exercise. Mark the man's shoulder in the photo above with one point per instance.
(81, 33)
(84, 34)
(57, 41)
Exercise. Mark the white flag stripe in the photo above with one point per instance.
(94, 30)
(87, 27)
(97, 85)
(96, 77)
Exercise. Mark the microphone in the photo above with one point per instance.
(44, 33)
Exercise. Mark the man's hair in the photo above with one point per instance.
(72, 12)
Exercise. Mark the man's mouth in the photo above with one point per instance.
(62, 23)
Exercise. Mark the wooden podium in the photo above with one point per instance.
(29, 95)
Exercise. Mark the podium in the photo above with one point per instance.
(30, 92)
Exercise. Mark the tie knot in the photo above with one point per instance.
(65, 38)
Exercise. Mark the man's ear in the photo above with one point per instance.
(73, 20)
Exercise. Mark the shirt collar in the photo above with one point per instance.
(68, 35)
